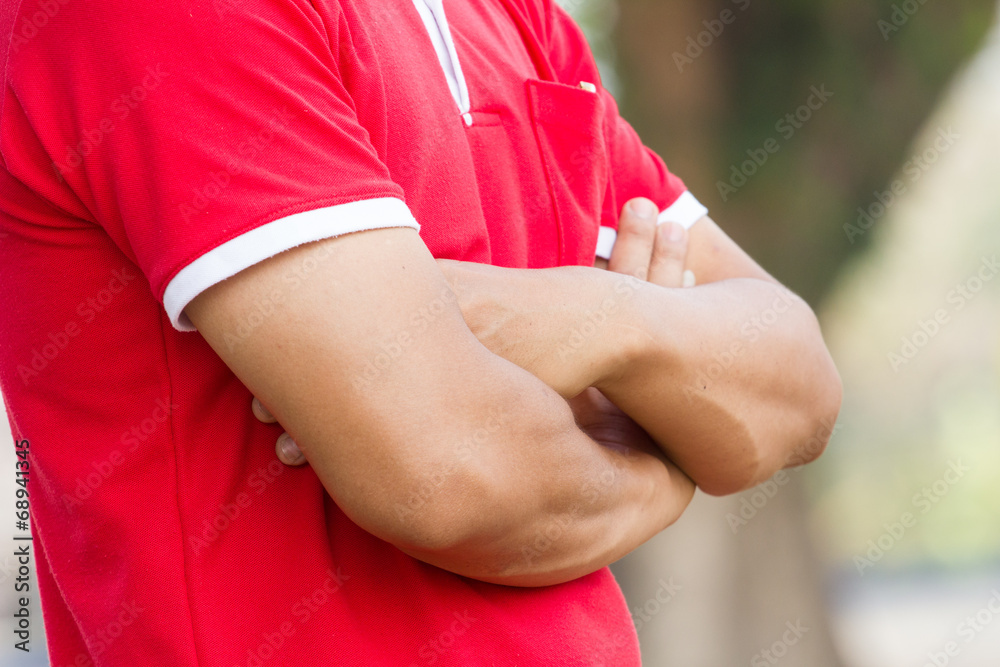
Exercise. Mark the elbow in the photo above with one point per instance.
(811, 403)
(469, 539)
(814, 414)
(457, 518)
(794, 436)
(753, 468)
(822, 393)
(476, 510)
(485, 533)
(784, 412)
(820, 417)
(441, 515)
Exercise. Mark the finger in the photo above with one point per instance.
(636, 236)
(669, 254)
(261, 413)
(288, 452)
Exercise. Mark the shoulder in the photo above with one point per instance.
(46, 31)
(86, 50)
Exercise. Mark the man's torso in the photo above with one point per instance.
(173, 536)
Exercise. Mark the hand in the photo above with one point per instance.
(607, 425)
(601, 419)
(647, 250)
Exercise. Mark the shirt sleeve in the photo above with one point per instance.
(635, 170)
(203, 137)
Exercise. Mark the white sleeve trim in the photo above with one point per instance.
(606, 238)
(275, 237)
(686, 211)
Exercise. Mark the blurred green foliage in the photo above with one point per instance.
(790, 215)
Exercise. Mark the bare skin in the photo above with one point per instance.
(726, 432)
(633, 255)
(560, 451)
(510, 460)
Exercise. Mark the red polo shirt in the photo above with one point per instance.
(152, 149)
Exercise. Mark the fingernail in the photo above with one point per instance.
(688, 279)
(676, 232)
(643, 208)
(289, 450)
(260, 411)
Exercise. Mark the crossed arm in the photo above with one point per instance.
(730, 379)
(472, 419)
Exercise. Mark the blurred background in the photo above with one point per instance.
(880, 204)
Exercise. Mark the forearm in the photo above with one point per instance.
(712, 256)
(501, 485)
(807, 371)
(571, 327)
(509, 490)
(766, 379)
(591, 506)
(735, 380)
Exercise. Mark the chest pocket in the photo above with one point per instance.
(568, 126)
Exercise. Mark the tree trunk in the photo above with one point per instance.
(737, 591)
